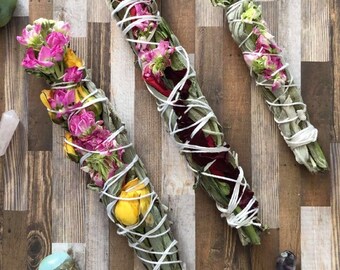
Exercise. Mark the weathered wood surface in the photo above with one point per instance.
(44, 204)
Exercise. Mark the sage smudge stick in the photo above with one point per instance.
(96, 138)
(268, 66)
(190, 121)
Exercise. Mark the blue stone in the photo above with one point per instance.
(53, 261)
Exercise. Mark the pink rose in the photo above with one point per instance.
(73, 74)
(56, 39)
(80, 124)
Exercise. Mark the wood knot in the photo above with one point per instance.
(38, 248)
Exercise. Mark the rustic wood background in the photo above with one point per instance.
(44, 204)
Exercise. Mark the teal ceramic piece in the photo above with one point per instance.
(53, 261)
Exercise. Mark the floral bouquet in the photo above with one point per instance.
(190, 120)
(264, 58)
(96, 138)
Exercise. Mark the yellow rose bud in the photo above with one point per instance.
(44, 96)
(71, 59)
(128, 212)
(82, 92)
(69, 149)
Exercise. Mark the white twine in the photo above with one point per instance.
(304, 136)
(247, 216)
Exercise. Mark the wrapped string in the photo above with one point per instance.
(248, 215)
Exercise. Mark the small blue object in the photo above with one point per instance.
(53, 261)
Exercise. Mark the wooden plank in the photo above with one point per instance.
(270, 244)
(96, 221)
(98, 55)
(178, 195)
(315, 32)
(177, 179)
(2, 167)
(211, 245)
(335, 204)
(316, 234)
(68, 199)
(318, 90)
(123, 87)
(183, 27)
(122, 93)
(39, 132)
(40, 9)
(39, 223)
(289, 35)
(15, 96)
(213, 242)
(148, 121)
(335, 49)
(207, 15)
(74, 12)
(236, 108)
(181, 212)
(39, 124)
(264, 151)
(120, 253)
(21, 9)
(100, 13)
(289, 201)
(77, 250)
(14, 240)
(265, 135)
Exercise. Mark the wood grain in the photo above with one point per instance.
(264, 151)
(14, 253)
(317, 90)
(98, 12)
(210, 245)
(335, 204)
(123, 87)
(290, 189)
(315, 238)
(335, 49)
(40, 9)
(120, 253)
(207, 15)
(15, 96)
(147, 121)
(68, 200)
(75, 12)
(97, 233)
(98, 55)
(184, 28)
(265, 135)
(315, 38)
(39, 220)
(289, 35)
(122, 93)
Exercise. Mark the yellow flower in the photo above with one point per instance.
(45, 95)
(69, 149)
(82, 92)
(71, 59)
(128, 212)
